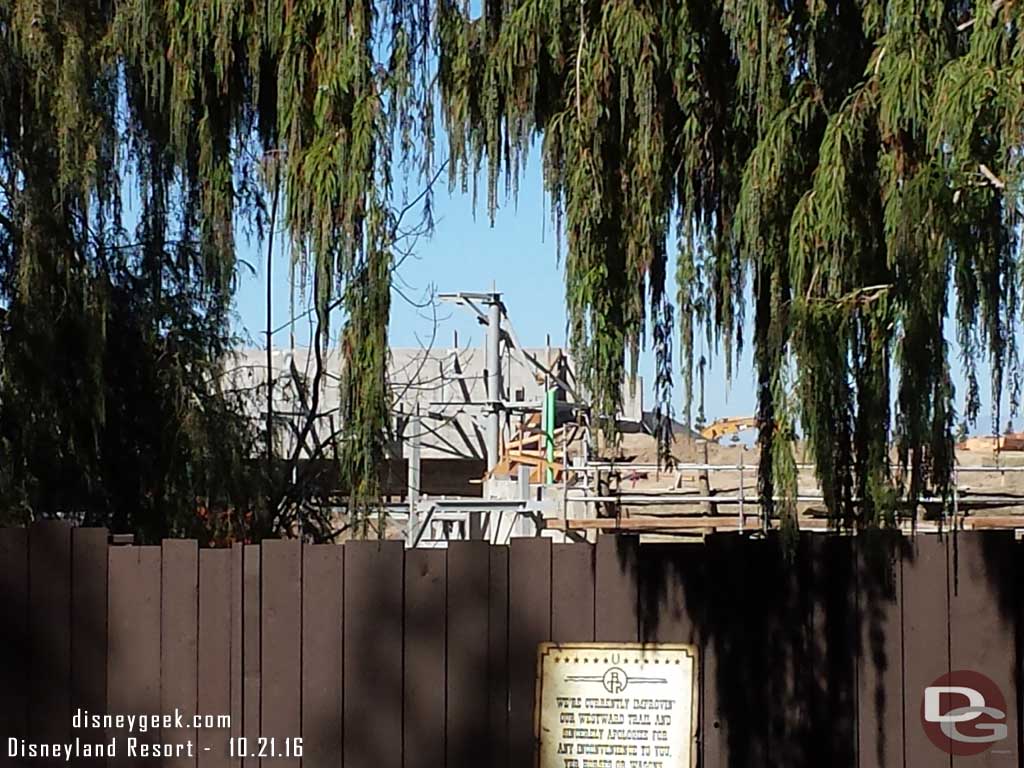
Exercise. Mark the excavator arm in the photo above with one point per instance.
(728, 426)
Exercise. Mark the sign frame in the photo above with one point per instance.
(691, 649)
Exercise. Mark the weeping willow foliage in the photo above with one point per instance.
(850, 168)
(110, 409)
(184, 106)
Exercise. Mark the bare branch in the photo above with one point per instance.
(993, 179)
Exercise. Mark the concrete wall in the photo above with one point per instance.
(446, 384)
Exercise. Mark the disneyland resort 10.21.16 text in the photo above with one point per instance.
(145, 736)
(140, 747)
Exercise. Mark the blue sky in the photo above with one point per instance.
(519, 256)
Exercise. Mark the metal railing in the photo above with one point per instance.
(671, 496)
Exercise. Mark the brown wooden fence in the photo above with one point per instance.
(382, 658)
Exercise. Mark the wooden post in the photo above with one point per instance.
(704, 480)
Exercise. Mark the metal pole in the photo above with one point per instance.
(493, 358)
(413, 490)
(765, 522)
(549, 434)
(956, 497)
(518, 523)
(565, 473)
(742, 513)
(704, 478)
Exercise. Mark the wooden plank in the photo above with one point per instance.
(133, 643)
(790, 669)
(982, 521)
(694, 522)
(983, 615)
(251, 643)
(798, 641)
(671, 589)
(14, 639)
(529, 613)
(497, 658)
(880, 660)
(322, 684)
(89, 622)
(49, 627)
(214, 652)
(714, 747)
(731, 522)
(281, 646)
(925, 604)
(424, 653)
(373, 653)
(671, 585)
(616, 611)
(538, 458)
(572, 593)
(237, 619)
(744, 660)
(179, 640)
(468, 593)
(835, 642)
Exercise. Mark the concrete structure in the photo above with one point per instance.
(452, 415)
(448, 386)
(454, 410)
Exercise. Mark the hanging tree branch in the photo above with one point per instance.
(797, 154)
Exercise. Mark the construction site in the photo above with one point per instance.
(494, 441)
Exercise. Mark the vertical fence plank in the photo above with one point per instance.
(671, 589)
(616, 611)
(236, 618)
(14, 639)
(572, 593)
(89, 624)
(983, 614)
(925, 604)
(529, 625)
(89, 627)
(714, 747)
(251, 643)
(49, 620)
(281, 630)
(425, 651)
(497, 657)
(670, 580)
(373, 654)
(133, 642)
(789, 614)
(468, 574)
(322, 683)
(834, 710)
(880, 659)
(179, 630)
(214, 641)
(741, 647)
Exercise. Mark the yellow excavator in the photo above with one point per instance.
(728, 426)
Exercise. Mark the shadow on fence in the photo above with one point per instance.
(381, 657)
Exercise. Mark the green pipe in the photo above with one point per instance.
(549, 431)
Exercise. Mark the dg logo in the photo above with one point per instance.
(964, 713)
